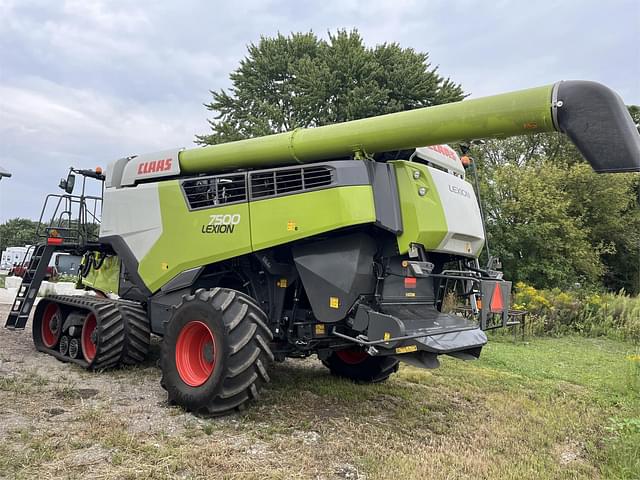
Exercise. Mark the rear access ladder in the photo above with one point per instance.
(33, 276)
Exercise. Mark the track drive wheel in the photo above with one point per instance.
(215, 351)
(357, 365)
(48, 326)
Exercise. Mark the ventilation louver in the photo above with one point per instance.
(291, 180)
(207, 192)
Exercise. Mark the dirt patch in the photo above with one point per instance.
(569, 452)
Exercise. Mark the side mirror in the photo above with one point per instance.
(68, 184)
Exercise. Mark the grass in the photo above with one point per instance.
(547, 408)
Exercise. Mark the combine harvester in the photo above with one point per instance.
(300, 243)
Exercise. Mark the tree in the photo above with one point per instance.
(17, 232)
(634, 110)
(304, 81)
(553, 220)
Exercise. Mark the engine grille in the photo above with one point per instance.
(291, 180)
(207, 192)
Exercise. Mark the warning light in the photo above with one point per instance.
(410, 282)
(497, 304)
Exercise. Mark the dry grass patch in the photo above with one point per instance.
(548, 408)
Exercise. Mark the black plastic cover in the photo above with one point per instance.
(597, 121)
(335, 272)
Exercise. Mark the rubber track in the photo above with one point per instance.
(123, 326)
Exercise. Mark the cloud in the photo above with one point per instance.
(83, 82)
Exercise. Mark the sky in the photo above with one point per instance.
(84, 82)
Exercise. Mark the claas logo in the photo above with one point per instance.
(154, 166)
(443, 150)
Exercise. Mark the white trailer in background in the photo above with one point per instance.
(15, 256)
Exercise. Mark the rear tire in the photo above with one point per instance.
(215, 352)
(360, 367)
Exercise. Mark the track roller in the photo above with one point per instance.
(74, 348)
(63, 347)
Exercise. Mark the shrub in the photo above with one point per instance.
(595, 314)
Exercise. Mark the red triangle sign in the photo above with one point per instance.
(497, 304)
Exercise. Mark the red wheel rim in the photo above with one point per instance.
(352, 357)
(89, 340)
(195, 353)
(51, 325)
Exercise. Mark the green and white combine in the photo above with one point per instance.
(349, 242)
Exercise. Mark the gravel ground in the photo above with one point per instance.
(140, 401)
(7, 295)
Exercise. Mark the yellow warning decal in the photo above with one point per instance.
(407, 349)
(291, 226)
(410, 294)
(164, 266)
(387, 335)
(334, 302)
(320, 329)
(282, 283)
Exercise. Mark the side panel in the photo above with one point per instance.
(446, 218)
(423, 217)
(465, 235)
(280, 220)
(193, 238)
(134, 215)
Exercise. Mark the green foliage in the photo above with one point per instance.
(623, 448)
(558, 312)
(301, 80)
(66, 278)
(634, 110)
(553, 221)
(17, 232)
